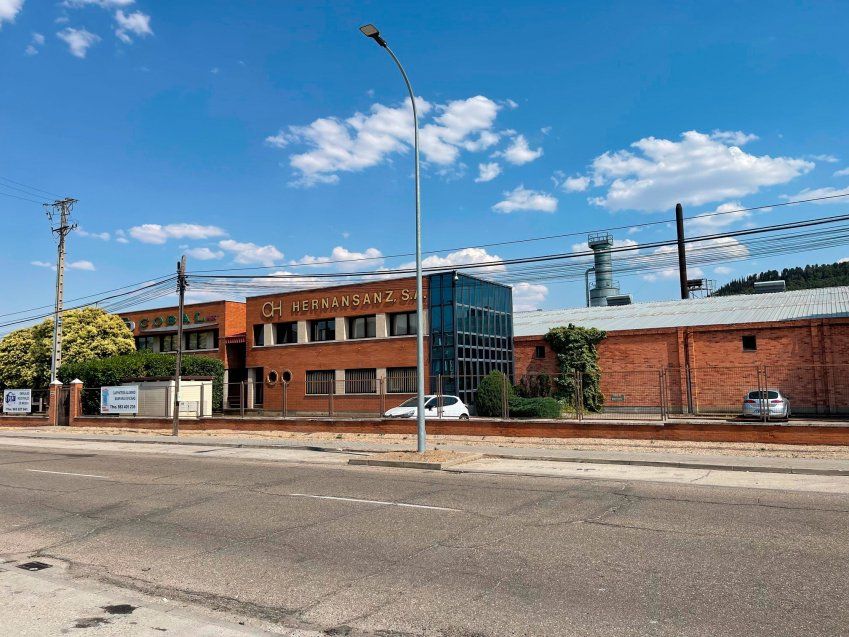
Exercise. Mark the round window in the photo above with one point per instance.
(287, 377)
(272, 377)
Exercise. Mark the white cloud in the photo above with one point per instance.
(733, 137)
(844, 260)
(466, 256)
(577, 183)
(841, 173)
(528, 296)
(78, 40)
(369, 259)
(9, 9)
(836, 195)
(367, 139)
(81, 265)
(158, 234)
(249, 253)
(36, 41)
(722, 270)
(103, 236)
(519, 152)
(105, 4)
(488, 172)
(43, 264)
(829, 159)
(121, 236)
(522, 198)
(695, 170)
(724, 215)
(137, 23)
(204, 254)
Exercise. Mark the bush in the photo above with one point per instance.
(534, 407)
(116, 369)
(489, 397)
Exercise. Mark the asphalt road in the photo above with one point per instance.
(328, 548)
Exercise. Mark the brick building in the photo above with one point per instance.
(704, 354)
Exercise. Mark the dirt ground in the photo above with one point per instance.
(576, 444)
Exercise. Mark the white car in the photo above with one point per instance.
(452, 407)
(759, 403)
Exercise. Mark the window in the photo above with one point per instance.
(168, 343)
(403, 324)
(750, 343)
(285, 333)
(362, 326)
(324, 330)
(360, 381)
(320, 382)
(539, 351)
(401, 380)
(201, 340)
(145, 343)
(259, 335)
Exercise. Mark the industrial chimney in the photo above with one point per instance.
(605, 286)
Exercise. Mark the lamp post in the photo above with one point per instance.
(369, 30)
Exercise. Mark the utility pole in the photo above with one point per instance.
(682, 251)
(60, 208)
(181, 290)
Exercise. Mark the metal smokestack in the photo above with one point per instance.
(682, 253)
(605, 286)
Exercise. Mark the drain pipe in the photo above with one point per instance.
(587, 283)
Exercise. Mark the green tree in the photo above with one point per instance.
(490, 395)
(576, 352)
(87, 334)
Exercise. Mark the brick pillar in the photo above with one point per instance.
(53, 407)
(76, 401)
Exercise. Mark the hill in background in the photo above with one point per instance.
(811, 276)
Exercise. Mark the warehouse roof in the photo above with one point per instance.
(715, 310)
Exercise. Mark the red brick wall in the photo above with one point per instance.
(347, 354)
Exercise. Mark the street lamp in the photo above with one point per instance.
(370, 31)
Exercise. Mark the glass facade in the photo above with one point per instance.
(471, 332)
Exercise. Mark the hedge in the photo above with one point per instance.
(534, 407)
(117, 369)
(489, 397)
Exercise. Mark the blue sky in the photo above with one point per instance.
(274, 134)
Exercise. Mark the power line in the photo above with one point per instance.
(528, 240)
(6, 194)
(32, 188)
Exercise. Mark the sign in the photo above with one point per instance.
(363, 300)
(170, 320)
(17, 401)
(119, 400)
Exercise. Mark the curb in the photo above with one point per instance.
(679, 464)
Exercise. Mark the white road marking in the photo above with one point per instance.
(65, 473)
(396, 504)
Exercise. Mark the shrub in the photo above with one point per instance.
(116, 369)
(534, 407)
(489, 397)
(576, 353)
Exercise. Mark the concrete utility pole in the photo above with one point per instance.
(181, 290)
(682, 251)
(60, 208)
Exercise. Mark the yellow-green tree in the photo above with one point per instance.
(87, 334)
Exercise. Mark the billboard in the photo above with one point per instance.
(119, 400)
(17, 401)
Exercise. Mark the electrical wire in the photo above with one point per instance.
(34, 190)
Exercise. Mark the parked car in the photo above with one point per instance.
(452, 407)
(758, 403)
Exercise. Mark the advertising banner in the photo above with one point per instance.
(119, 400)
(17, 401)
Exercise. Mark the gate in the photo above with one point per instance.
(63, 408)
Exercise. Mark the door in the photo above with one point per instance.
(63, 409)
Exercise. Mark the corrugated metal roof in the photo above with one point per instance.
(715, 310)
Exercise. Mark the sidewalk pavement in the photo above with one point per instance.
(667, 459)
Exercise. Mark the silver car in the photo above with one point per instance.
(772, 402)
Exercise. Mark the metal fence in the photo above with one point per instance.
(153, 402)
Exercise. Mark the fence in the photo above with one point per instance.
(153, 402)
(39, 405)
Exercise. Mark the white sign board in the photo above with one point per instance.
(119, 400)
(17, 401)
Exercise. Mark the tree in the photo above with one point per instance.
(489, 399)
(576, 352)
(87, 334)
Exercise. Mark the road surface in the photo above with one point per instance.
(339, 550)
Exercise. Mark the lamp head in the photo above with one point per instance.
(370, 31)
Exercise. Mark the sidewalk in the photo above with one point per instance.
(754, 457)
